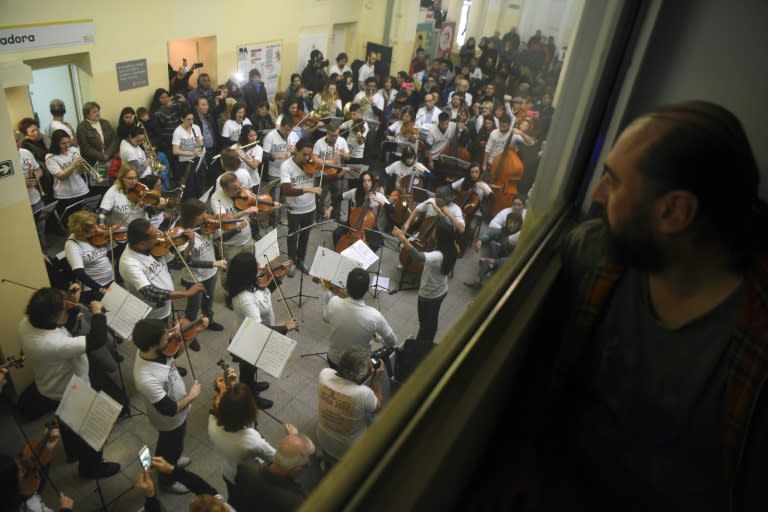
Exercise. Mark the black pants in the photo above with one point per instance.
(297, 244)
(170, 446)
(428, 310)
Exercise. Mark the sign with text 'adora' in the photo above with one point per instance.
(16, 38)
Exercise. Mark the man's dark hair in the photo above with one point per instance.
(371, 80)
(191, 207)
(340, 56)
(443, 117)
(700, 143)
(332, 126)
(304, 142)
(44, 308)
(148, 332)
(252, 73)
(357, 283)
(505, 119)
(230, 160)
(137, 231)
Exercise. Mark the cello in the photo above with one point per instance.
(425, 241)
(402, 202)
(506, 172)
(360, 218)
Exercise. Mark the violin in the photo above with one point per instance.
(102, 235)
(222, 384)
(227, 223)
(279, 268)
(246, 198)
(329, 167)
(33, 457)
(141, 192)
(409, 131)
(188, 330)
(336, 290)
(163, 243)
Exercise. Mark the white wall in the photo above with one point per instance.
(711, 50)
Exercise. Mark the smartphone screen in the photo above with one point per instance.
(145, 458)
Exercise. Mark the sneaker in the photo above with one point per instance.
(291, 271)
(99, 470)
(182, 371)
(260, 386)
(194, 346)
(183, 461)
(474, 285)
(214, 326)
(264, 403)
(175, 487)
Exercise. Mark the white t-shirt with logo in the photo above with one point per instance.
(221, 203)
(131, 153)
(154, 380)
(274, 143)
(291, 173)
(120, 209)
(140, 270)
(29, 165)
(231, 129)
(186, 140)
(326, 152)
(74, 185)
(254, 152)
(344, 410)
(94, 260)
(433, 283)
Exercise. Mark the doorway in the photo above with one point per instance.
(199, 50)
(56, 82)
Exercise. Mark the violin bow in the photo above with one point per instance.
(112, 253)
(221, 235)
(280, 291)
(186, 349)
(183, 261)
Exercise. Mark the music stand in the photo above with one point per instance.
(384, 238)
(45, 211)
(454, 162)
(301, 295)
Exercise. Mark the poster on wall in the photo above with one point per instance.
(383, 58)
(263, 56)
(424, 33)
(306, 45)
(445, 41)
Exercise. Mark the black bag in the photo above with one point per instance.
(409, 356)
(60, 273)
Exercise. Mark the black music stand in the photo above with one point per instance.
(301, 295)
(376, 287)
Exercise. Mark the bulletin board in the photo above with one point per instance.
(266, 58)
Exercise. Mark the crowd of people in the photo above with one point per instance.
(215, 166)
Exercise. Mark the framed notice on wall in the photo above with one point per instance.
(263, 56)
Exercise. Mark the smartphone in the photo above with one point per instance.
(145, 458)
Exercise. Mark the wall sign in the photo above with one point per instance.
(263, 56)
(6, 169)
(132, 74)
(15, 38)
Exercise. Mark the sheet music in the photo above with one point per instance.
(267, 246)
(123, 310)
(89, 414)
(102, 416)
(360, 252)
(332, 266)
(382, 283)
(262, 347)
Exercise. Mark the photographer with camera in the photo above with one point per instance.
(314, 75)
(345, 403)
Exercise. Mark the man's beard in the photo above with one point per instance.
(633, 244)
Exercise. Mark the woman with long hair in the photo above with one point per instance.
(247, 298)
(127, 119)
(230, 132)
(187, 144)
(251, 157)
(365, 191)
(328, 99)
(65, 164)
(434, 278)
(90, 264)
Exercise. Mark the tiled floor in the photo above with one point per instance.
(295, 394)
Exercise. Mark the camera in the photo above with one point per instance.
(382, 354)
(197, 65)
(324, 63)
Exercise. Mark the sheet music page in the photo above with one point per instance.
(360, 252)
(123, 310)
(382, 283)
(325, 264)
(75, 403)
(346, 265)
(100, 420)
(249, 340)
(267, 245)
(276, 353)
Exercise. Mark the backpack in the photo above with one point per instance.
(409, 356)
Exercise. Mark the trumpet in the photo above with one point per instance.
(92, 173)
(157, 166)
(29, 173)
(364, 103)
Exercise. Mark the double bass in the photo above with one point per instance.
(505, 173)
